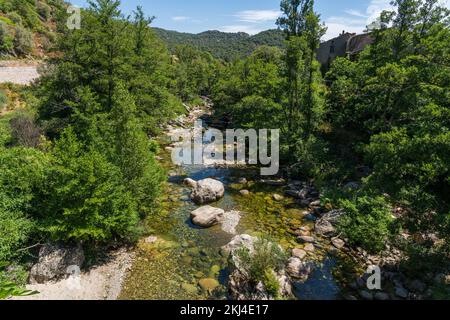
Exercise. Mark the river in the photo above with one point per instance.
(183, 254)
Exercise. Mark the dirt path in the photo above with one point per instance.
(100, 283)
(18, 72)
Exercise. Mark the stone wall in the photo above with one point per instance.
(345, 44)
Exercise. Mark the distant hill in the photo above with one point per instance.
(222, 45)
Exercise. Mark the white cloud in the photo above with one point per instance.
(375, 8)
(251, 21)
(242, 28)
(357, 21)
(180, 18)
(355, 13)
(255, 16)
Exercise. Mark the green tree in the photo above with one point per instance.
(84, 197)
(305, 90)
(133, 152)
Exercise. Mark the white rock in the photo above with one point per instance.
(54, 262)
(277, 197)
(244, 193)
(239, 241)
(207, 216)
(207, 191)
(151, 239)
(297, 269)
(230, 221)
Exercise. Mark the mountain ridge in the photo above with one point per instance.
(222, 45)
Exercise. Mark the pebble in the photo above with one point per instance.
(244, 193)
(306, 239)
(277, 197)
(151, 240)
(338, 243)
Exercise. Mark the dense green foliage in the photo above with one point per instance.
(396, 98)
(367, 222)
(21, 173)
(222, 45)
(383, 116)
(81, 167)
(249, 91)
(279, 89)
(195, 72)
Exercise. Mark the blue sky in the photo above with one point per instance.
(251, 16)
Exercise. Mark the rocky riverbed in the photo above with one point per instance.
(183, 258)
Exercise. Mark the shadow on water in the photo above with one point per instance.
(320, 285)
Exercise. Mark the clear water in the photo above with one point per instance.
(185, 253)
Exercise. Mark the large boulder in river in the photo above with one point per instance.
(190, 183)
(207, 216)
(55, 262)
(207, 191)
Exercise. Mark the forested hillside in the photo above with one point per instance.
(222, 45)
(27, 27)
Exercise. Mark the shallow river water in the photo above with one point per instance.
(172, 267)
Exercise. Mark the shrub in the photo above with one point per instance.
(23, 41)
(6, 40)
(44, 10)
(367, 222)
(21, 173)
(84, 198)
(3, 99)
(15, 229)
(25, 132)
(312, 158)
(15, 18)
(12, 282)
(260, 265)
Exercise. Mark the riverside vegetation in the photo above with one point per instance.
(370, 139)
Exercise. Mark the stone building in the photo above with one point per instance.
(346, 44)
